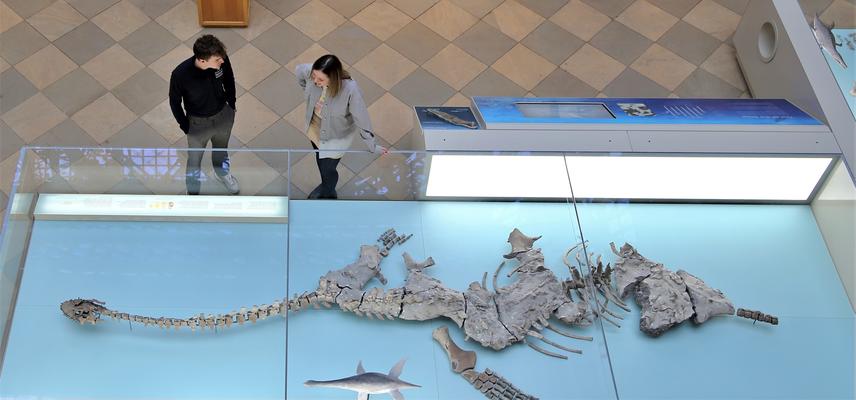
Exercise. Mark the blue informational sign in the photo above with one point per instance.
(521, 110)
(846, 77)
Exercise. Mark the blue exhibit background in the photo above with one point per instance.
(666, 111)
(769, 258)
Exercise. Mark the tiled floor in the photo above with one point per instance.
(95, 72)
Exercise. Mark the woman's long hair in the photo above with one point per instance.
(332, 67)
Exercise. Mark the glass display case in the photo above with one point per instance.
(436, 275)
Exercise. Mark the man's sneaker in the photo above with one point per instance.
(230, 182)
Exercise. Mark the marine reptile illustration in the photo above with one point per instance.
(826, 39)
(366, 383)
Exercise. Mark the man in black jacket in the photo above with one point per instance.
(205, 84)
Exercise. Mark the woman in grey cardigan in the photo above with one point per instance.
(335, 114)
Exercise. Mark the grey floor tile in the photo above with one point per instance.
(633, 84)
(348, 8)
(143, 91)
(283, 8)
(279, 187)
(84, 42)
(20, 42)
(280, 135)
(703, 84)
(229, 37)
(422, 88)
(349, 42)
(155, 8)
(611, 8)
(359, 161)
(66, 134)
(738, 6)
(282, 42)
(15, 89)
(417, 42)
(552, 42)
(678, 8)
(485, 43)
(150, 42)
(546, 8)
(91, 8)
(689, 42)
(562, 84)
(620, 42)
(371, 91)
(810, 7)
(74, 91)
(137, 134)
(27, 8)
(279, 92)
(492, 83)
(9, 141)
(4, 198)
(295, 193)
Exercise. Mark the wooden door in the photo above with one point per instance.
(223, 12)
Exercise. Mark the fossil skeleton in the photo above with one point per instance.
(490, 384)
(452, 119)
(497, 318)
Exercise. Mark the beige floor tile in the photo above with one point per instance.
(252, 172)
(251, 66)
(56, 20)
(121, 19)
(163, 122)
(647, 19)
(305, 175)
(102, 118)
(297, 118)
(307, 57)
(33, 117)
(458, 100)
(514, 20)
(447, 19)
(593, 66)
(580, 19)
(96, 172)
(385, 66)
(723, 64)
(381, 20)
(113, 66)
(524, 67)
(454, 66)
(164, 65)
(315, 19)
(46, 66)
(181, 20)
(713, 19)
(842, 12)
(478, 8)
(3, 65)
(8, 18)
(413, 8)
(261, 19)
(664, 67)
(252, 118)
(390, 118)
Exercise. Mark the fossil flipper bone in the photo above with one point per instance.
(461, 360)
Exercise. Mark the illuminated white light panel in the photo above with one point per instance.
(161, 207)
(627, 177)
(498, 176)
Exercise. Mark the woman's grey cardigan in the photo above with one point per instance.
(341, 117)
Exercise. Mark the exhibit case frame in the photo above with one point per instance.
(490, 273)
